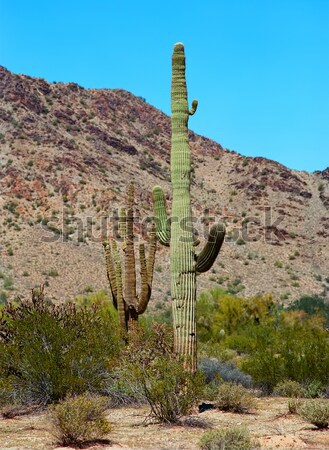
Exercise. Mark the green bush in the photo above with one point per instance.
(215, 369)
(313, 389)
(122, 390)
(235, 398)
(234, 438)
(79, 420)
(217, 310)
(289, 388)
(3, 297)
(316, 411)
(265, 341)
(170, 391)
(8, 283)
(297, 348)
(152, 367)
(48, 351)
(294, 404)
(312, 305)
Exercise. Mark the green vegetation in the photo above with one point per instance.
(77, 348)
(312, 305)
(240, 241)
(216, 371)
(289, 388)
(321, 186)
(316, 412)
(11, 207)
(8, 283)
(234, 286)
(294, 404)
(265, 341)
(52, 273)
(3, 297)
(234, 438)
(79, 420)
(69, 350)
(235, 398)
(151, 366)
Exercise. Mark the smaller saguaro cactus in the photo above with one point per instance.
(121, 270)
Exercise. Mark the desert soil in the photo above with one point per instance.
(270, 424)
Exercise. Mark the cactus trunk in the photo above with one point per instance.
(183, 274)
(185, 263)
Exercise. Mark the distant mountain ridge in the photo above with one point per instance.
(66, 156)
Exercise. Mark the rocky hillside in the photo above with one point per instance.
(66, 156)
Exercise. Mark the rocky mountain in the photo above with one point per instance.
(66, 156)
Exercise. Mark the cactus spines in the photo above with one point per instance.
(123, 283)
(178, 230)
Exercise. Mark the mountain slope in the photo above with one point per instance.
(66, 156)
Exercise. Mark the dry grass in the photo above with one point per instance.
(272, 425)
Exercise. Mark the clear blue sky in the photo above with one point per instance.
(259, 68)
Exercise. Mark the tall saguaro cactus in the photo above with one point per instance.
(122, 275)
(177, 231)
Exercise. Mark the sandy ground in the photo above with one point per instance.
(270, 424)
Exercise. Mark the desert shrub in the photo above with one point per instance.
(166, 386)
(268, 343)
(297, 348)
(312, 305)
(316, 411)
(313, 389)
(235, 398)
(11, 411)
(170, 390)
(3, 297)
(196, 422)
(79, 420)
(122, 391)
(294, 404)
(48, 351)
(234, 438)
(215, 369)
(217, 310)
(289, 388)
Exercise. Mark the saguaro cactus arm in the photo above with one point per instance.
(161, 216)
(146, 271)
(194, 107)
(122, 228)
(208, 255)
(130, 269)
(121, 305)
(145, 294)
(152, 251)
(111, 272)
